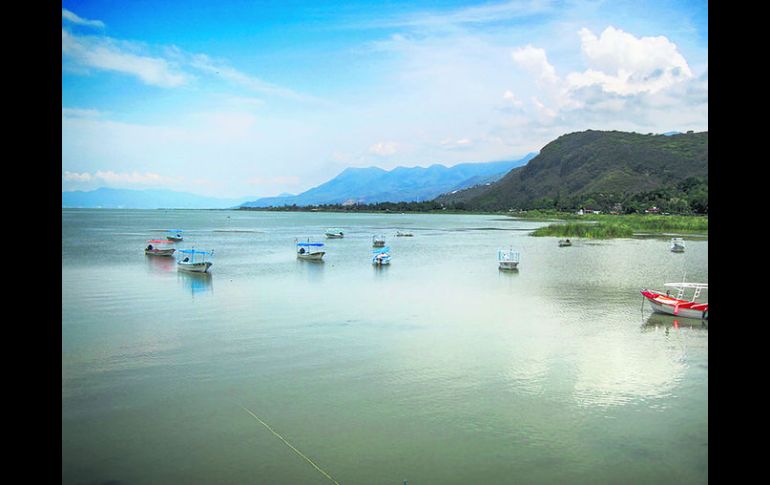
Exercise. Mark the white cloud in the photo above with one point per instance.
(623, 64)
(383, 149)
(456, 144)
(105, 54)
(73, 18)
(119, 178)
(535, 62)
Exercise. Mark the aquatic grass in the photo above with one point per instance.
(599, 230)
(605, 226)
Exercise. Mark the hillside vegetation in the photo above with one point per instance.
(602, 170)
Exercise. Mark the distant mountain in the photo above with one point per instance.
(593, 162)
(142, 199)
(402, 184)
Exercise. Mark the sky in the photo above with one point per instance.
(247, 99)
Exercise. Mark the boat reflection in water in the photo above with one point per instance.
(160, 265)
(659, 320)
(196, 283)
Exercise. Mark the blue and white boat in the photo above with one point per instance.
(194, 260)
(310, 251)
(174, 235)
(381, 256)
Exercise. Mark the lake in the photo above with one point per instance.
(439, 369)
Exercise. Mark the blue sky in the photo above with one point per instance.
(248, 99)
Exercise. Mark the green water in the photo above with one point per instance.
(439, 369)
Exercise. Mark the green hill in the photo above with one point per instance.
(603, 169)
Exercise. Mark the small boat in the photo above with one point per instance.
(381, 256)
(404, 234)
(334, 233)
(678, 305)
(310, 251)
(175, 235)
(194, 261)
(378, 241)
(564, 243)
(153, 250)
(677, 245)
(508, 259)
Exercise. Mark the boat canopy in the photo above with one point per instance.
(687, 285)
(195, 251)
(158, 241)
(174, 230)
(310, 244)
(381, 250)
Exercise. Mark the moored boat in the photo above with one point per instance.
(663, 302)
(564, 243)
(404, 234)
(378, 241)
(153, 250)
(677, 245)
(334, 233)
(381, 256)
(175, 235)
(508, 259)
(310, 251)
(194, 260)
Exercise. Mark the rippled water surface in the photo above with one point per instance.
(439, 369)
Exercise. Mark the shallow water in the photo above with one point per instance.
(436, 369)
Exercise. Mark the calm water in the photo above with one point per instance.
(439, 369)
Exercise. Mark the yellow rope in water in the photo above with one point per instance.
(289, 445)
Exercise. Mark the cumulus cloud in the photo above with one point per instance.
(623, 64)
(535, 62)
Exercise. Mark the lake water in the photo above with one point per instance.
(439, 369)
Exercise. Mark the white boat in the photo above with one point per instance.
(564, 243)
(334, 233)
(677, 245)
(378, 241)
(678, 305)
(310, 251)
(194, 261)
(508, 259)
(175, 235)
(152, 248)
(381, 256)
(404, 234)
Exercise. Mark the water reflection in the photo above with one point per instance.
(160, 264)
(196, 282)
(659, 320)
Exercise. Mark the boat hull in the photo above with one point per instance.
(378, 244)
(334, 236)
(509, 265)
(202, 267)
(175, 239)
(317, 256)
(660, 303)
(159, 252)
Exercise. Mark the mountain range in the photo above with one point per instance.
(401, 184)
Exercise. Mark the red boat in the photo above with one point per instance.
(153, 250)
(677, 305)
